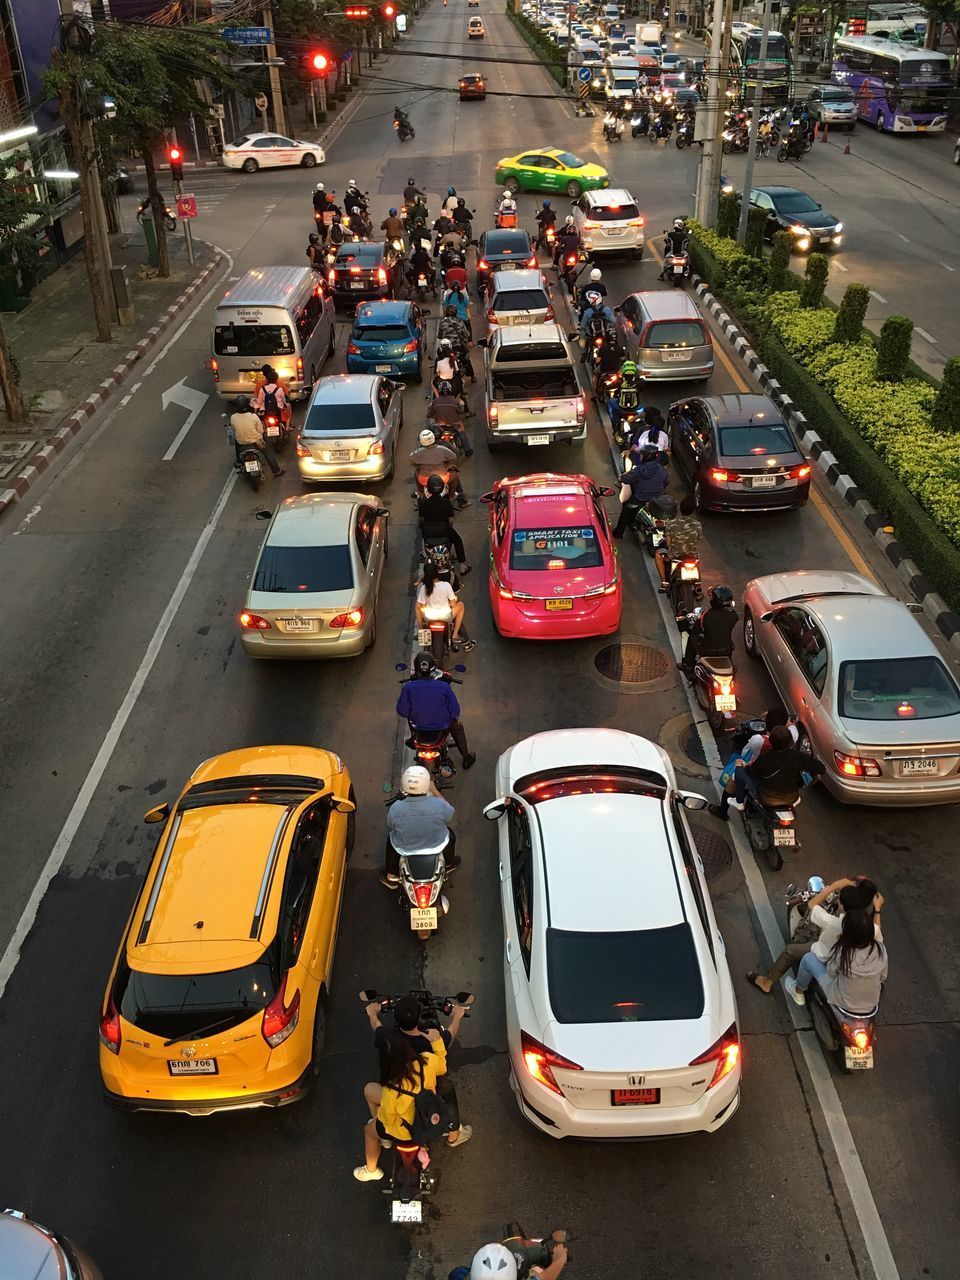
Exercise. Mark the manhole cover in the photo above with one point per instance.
(631, 663)
(715, 853)
(693, 746)
(12, 454)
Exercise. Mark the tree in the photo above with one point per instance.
(893, 348)
(815, 281)
(778, 268)
(853, 308)
(946, 409)
(20, 208)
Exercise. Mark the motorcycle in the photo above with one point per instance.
(358, 224)
(684, 136)
(639, 124)
(735, 140)
(649, 523)
(851, 1036)
(404, 129)
(431, 747)
(546, 236)
(276, 428)
(791, 148)
(685, 587)
(661, 131)
(713, 682)
(169, 217)
(532, 1252)
(612, 130)
(249, 460)
(421, 284)
(412, 1177)
(677, 268)
(569, 266)
(423, 873)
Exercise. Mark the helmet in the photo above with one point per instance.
(493, 1262)
(594, 299)
(461, 203)
(411, 183)
(678, 224)
(242, 404)
(435, 484)
(507, 193)
(721, 598)
(569, 220)
(546, 204)
(450, 311)
(393, 213)
(444, 388)
(319, 186)
(415, 781)
(444, 345)
(423, 665)
(596, 275)
(451, 191)
(665, 506)
(352, 182)
(420, 223)
(455, 261)
(649, 452)
(408, 1011)
(314, 238)
(628, 368)
(427, 438)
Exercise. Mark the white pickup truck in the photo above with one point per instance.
(533, 395)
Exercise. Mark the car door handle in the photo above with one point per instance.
(509, 949)
(779, 657)
(803, 701)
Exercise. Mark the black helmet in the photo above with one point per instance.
(411, 183)
(461, 202)
(314, 238)
(435, 484)
(242, 404)
(649, 451)
(451, 311)
(665, 506)
(721, 598)
(423, 665)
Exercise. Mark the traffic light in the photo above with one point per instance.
(388, 12)
(356, 11)
(175, 156)
(318, 63)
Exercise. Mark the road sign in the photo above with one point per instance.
(247, 35)
(584, 90)
(584, 75)
(187, 206)
(346, 55)
(260, 102)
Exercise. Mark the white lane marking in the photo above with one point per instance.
(8, 962)
(879, 296)
(192, 315)
(34, 511)
(232, 278)
(840, 266)
(903, 237)
(946, 266)
(923, 334)
(187, 398)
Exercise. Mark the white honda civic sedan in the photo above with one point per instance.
(270, 151)
(621, 1017)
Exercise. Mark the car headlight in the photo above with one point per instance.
(798, 231)
(838, 228)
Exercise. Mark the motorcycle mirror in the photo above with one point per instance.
(606, 492)
(486, 497)
(160, 814)
(425, 311)
(382, 511)
(495, 811)
(573, 337)
(482, 342)
(368, 995)
(692, 800)
(263, 514)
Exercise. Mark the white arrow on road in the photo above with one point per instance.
(187, 398)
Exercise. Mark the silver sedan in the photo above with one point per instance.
(350, 430)
(874, 698)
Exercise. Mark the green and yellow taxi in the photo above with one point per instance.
(550, 169)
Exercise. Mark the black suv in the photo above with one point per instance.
(364, 269)
(506, 247)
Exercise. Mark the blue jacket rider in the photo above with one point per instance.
(428, 703)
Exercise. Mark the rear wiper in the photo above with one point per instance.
(204, 1031)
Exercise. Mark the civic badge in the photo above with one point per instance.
(188, 1052)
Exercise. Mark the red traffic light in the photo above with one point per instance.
(389, 11)
(319, 62)
(175, 156)
(356, 11)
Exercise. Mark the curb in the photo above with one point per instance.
(934, 606)
(59, 440)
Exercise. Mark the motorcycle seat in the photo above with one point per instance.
(849, 1013)
(427, 737)
(715, 664)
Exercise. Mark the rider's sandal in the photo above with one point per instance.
(752, 977)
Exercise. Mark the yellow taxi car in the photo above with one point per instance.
(216, 1000)
(550, 169)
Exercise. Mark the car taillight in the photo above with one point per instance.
(581, 411)
(549, 315)
(352, 349)
(411, 345)
(279, 1019)
(423, 892)
(532, 262)
(302, 451)
(799, 473)
(215, 368)
(381, 276)
(332, 276)
(725, 1053)
(540, 1061)
(636, 222)
(492, 317)
(493, 412)
(483, 265)
(856, 766)
(110, 1027)
(253, 622)
(299, 368)
(346, 621)
(376, 449)
(721, 476)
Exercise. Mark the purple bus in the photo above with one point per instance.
(898, 87)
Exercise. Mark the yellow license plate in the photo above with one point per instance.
(253, 375)
(557, 606)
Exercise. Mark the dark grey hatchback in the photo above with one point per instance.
(737, 453)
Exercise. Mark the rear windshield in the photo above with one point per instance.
(645, 975)
(293, 569)
(613, 212)
(897, 689)
(576, 547)
(520, 300)
(250, 340)
(530, 351)
(381, 333)
(187, 1004)
(675, 333)
(328, 419)
(742, 442)
(500, 241)
(359, 253)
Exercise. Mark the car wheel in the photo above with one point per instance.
(309, 161)
(418, 376)
(249, 165)
(373, 637)
(574, 190)
(750, 634)
(512, 185)
(319, 1033)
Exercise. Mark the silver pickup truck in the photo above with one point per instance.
(533, 395)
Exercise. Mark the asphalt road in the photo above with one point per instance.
(121, 669)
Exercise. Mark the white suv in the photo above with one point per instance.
(609, 222)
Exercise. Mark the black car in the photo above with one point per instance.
(788, 209)
(737, 453)
(509, 247)
(364, 269)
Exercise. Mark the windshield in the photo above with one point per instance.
(575, 547)
(357, 253)
(381, 333)
(646, 975)
(521, 300)
(675, 333)
(570, 160)
(897, 689)
(330, 419)
(178, 1005)
(777, 48)
(796, 202)
(249, 340)
(613, 212)
(839, 94)
(759, 441)
(922, 102)
(304, 569)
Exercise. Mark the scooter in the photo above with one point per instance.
(686, 588)
(676, 268)
(404, 129)
(735, 140)
(249, 459)
(169, 217)
(423, 873)
(791, 148)
(684, 136)
(612, 130)
(649, 523)
(851, 1036)
(276, 428)
(532, 1251)
(412, 1176)
(431, 747)
(713, 682)
(639, 124)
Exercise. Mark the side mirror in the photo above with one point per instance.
(486, 497)
(263, 514)
(425, 311)
(616, 311)
(345, 806)
(160, 814)
(606, 492)
(692, 800)
(483, 342)
(573, 337)
(766, 617)
(495, 811)
(382, 511)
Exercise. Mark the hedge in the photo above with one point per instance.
(551, 55)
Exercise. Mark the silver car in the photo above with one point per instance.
(519, 297)
(833, 104)
(350, 430)
(875, 701)
(317, 578)
(33, 1252)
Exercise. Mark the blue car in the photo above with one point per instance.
(388, 337)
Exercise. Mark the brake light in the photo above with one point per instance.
(347, 621)
(492, 317)
(556, 564)
(110, 1027)
(549, 315)
(483, 265)
(411, 345)
(302, 451)
(532, 262)
(423, 892)
(381, 275)
(271, 420)
(725, 1053)
(581, 411)
(861, 1037)
(253, 622)
(540, 1061)
(724, 684)
(856, 766)
(352, 349)
(611, 588)
(799, 473)
(906, 710)
(354, 271)
(376, 449)
(690, 564)
(279, 1019)
(428, 755)
(721, 476)
(332, 276)
(636, 222)
(493, 413)
(299, 368)
(215, 368)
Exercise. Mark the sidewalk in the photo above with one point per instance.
(65, 374)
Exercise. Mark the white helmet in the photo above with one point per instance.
(319, 186)
(427, 438)
(493, 1262)
(678, 224)
(569, 220)
(507, 193)
(596, 275)
(352, 182)
(416, 782)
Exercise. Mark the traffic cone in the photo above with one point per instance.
(846, 147)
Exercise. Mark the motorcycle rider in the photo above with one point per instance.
(595, 309)
(546, 218)
(419, 235)
(627, 397)
(681, 537)
(448, 369)
(315, 251)
(456, 295)
(595, 278)
(462, 216)
(497, 1262)
(421, 820)
(427, 702)
(247, 430)
(447, 411)
(392, 1099)
(452, 327)
(271, 397)
(639, 485)
(853, 976)
(436, 594)
(402, 121)
(353, 198)
(507, 210)
(612, 125)
(421, 264)
(393, 226)
(568, 240)
(412, 194)
(450, 201)
(431, 453)
(775, 777)
(437, 514)
(319, 204)
(712, 633)
(337, 234)
(675, 241)
(606, 361)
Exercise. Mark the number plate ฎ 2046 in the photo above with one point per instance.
(918, 765)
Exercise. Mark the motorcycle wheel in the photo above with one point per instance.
(774, 857)
(683, 598)
(680, 142)
(756, 832)
(821, 1025)
(438, 646)
(782, 152)
(255, 480)
(727, 146)
(678, 281)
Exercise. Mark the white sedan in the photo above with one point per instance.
(621, 1017)
(270, 151)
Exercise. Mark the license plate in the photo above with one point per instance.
(634, 1097)
(676, 357)
(678, 271)
(538, 439)
(192, 1066)
(423, 917)
(616, 231)
(858, 1059)
(251, 467)
(558, 605)
(299, 624)
(725, 701)
(383, 368)
(253, 375)
(410, 1212)
(272, 431)
(339, 455)
(785, 837)
(689, 575)
(911, 768)
(356, 284)
(763, 482)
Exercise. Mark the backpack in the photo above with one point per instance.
(270, 401)
(432, 1117)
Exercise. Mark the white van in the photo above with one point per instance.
(281, 316)
(621, 77)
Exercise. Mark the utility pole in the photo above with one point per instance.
(279, 120)
(708, 184)
(768, 10)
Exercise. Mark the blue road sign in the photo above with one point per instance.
(247, 35)
(346, 55)
(584, 75)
